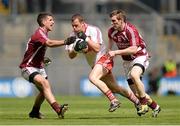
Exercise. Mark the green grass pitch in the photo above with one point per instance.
(88, 111)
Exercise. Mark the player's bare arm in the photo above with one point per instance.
(94, 46)
(54, 43)
(127, 51)
(110, 44)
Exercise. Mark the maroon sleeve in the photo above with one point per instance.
(42, 40)
(40, 37)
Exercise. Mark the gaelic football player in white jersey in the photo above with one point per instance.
(94, 50)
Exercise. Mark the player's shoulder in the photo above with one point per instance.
(130, 26)
(39, 36)
(111, 29)
(40, 33)
(36, 33)
(92, 27)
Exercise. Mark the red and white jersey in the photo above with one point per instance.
(95, 35)
(35, 50)
(126, 38)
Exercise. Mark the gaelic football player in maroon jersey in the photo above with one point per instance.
(132, 49)
(32, 66)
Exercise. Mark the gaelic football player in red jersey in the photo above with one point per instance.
(32, 66)
(101, 75)
(132, 49)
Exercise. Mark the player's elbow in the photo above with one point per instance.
(49, 43)
(72, 55)
(97, 49)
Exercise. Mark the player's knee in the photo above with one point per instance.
(92, 79)
(44, 83)
(134, 76)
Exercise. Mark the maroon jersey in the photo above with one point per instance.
(35, 50)
(126, 38)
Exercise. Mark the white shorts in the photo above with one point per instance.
(28, 71)
(143, 60)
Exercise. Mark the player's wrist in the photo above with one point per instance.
(65, 41)
(116, 52)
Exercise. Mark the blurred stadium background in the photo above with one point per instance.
(157, 20)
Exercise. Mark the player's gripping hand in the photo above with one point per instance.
(80, 45)
(82, 35)
(70, 40)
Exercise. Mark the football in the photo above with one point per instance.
(80, 42)
(78, 39)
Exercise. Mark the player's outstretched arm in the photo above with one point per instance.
(56, 43)
(70, 40)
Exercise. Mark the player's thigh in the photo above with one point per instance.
(39, 79)
(41, 82)
(98, 71)
(136, 71)
(28, 73)
(33, 75)
(139, 65)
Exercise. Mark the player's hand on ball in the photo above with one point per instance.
(80, 45)
(70, 40)
(82, 35)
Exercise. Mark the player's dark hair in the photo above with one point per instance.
(119, 13)
(77, 16)
(41, 17)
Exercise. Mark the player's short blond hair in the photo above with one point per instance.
(119, 13)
